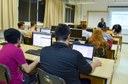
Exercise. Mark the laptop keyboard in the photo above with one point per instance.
(34, 52)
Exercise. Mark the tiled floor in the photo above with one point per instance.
(121, 67)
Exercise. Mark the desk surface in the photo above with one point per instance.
(106, 70)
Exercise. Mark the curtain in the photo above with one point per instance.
(77, 14)
(8, 14)
(54, 12)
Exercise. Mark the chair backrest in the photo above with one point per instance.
(46, 78)
(27, 40)
(4, 74)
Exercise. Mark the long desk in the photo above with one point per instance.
(102, 74)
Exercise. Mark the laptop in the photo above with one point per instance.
(45, 30)
(86, 50)
(40, 39)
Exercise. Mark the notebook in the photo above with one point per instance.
(86, 50)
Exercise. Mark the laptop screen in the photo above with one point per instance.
(45, 30)
(41, 39)
(85, 50)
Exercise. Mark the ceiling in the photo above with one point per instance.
(80, 1)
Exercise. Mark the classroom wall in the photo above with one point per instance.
(99, 5)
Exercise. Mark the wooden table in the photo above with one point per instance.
(102, 74)
(119, 37)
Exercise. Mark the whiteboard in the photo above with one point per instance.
(95, 16)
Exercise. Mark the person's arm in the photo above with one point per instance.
(86, 68)
(20, 59)
(95, 64)
(27, 68)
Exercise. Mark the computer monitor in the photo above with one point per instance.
(71, 26)
(42, 39)
(76, 33)
(53, 28)
(85, 49)
(45, 30)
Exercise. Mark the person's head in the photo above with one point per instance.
(84, 26)
(97, 34)
(21, 25)
(102, 19)
(12, 35)
(117, 28)
(97, 38)
(62, 32)
(104, 29)
(33, 24)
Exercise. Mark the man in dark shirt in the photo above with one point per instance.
(117, 29)
(102, 24)
(62, 61)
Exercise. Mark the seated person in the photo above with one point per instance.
(62, 61)
(106, 36)
(117, 29)
(13, 57)
(31, 29)
(21, 26)
(85, 33)
(98, 41)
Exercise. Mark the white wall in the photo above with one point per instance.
(99, 5)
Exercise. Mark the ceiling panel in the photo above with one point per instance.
(121, 0)
(80, 1)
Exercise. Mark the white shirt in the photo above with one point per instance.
(86, 34)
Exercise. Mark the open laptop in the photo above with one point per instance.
(45, 30)
(42, 39)
(86, 50)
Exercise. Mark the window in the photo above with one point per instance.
(119, 15)
(69, 13)
(31, 10)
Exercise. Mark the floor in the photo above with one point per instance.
(121, 67)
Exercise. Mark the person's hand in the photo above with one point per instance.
(97, 63)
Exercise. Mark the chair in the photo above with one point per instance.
(4, 74)
(46, 78)
(27, 40)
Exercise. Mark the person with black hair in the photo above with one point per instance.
(117, 29)
(21, 26)
(62, 61)
(13, 57)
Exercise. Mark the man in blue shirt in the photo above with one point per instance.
(62, 61)
(102, 24)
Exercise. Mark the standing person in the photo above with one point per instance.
(102, 23)
(13, 57)
(62, 61)
(31, 29)
(21, 26)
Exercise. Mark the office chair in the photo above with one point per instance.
(4, 74)
(46, 78)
